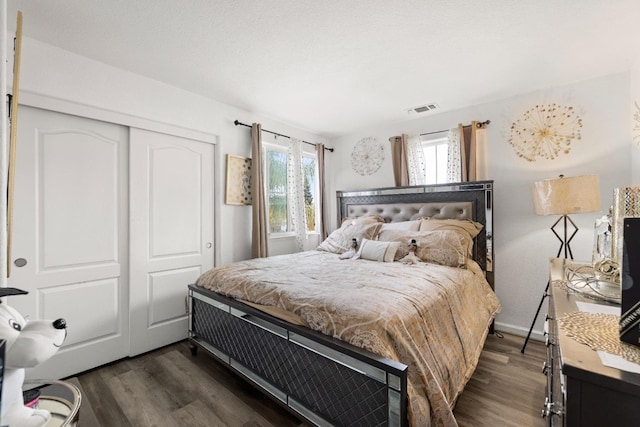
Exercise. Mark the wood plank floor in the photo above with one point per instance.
(169, 387)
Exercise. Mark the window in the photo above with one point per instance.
(435, 149)
(311, 205)
(278, 206)
(276, 178)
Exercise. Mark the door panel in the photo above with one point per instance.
(99, 303)
(163, 307)
(70, 225)
(78, 217)
(175, 227)
(171, 229)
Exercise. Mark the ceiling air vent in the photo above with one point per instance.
(422, 108)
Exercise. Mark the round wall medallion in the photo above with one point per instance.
(367, 156)
(545, 131)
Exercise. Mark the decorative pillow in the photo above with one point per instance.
(339, 241)
(388, 231)
(401, 225)
(445, 247)
(364, 218)
(466, 227)
(377, 251)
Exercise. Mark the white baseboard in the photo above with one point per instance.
(519, 331)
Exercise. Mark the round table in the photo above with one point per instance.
(62, 399)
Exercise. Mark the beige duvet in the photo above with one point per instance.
(432, 318)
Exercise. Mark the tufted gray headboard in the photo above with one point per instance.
(472, 200)
(407, 211)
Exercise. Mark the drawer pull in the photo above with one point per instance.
(549, 409)
(546, 408)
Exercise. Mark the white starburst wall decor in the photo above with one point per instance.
(367, 156)
(545, 131)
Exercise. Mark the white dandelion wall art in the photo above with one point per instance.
(545, 131)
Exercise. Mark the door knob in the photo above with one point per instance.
(209, 245)
(20, 262)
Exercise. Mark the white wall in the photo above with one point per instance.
(634, 106)
(523, 240)
(57, 79)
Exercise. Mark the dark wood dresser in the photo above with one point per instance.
(581, 391)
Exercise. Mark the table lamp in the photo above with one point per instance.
(563, 196)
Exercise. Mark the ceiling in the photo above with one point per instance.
(335, 66)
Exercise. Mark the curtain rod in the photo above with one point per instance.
(237, 123)
(478, 125)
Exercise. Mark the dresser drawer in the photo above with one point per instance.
(554, 404)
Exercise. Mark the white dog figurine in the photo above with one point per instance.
(27, 345)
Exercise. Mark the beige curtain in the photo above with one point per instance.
(399, 159)
(322, 197)
(260, 225)
(473, 152)
(482, 154)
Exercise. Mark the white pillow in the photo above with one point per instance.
(402, 225)
(467, 228)
(339, 241)
(374, 250)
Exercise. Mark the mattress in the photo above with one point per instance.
(430, 317)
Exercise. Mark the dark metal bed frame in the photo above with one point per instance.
(324, 380)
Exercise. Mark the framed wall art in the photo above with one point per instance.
(238, 180)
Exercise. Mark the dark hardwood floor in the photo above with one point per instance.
(508, 387)
(170, 387)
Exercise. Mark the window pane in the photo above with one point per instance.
(310, 186)
(442, 163)
(435, 155)
(277, 191)
(430, 164)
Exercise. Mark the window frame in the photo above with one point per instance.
(435, 140)
(266, 147)
(282, 148)
(316, 189)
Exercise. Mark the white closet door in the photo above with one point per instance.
(70, 232)
(171, 229)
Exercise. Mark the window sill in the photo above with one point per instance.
(290, 235)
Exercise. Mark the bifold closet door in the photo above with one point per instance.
(70, 243)
(171, 232)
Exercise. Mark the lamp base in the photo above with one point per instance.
(565, 240)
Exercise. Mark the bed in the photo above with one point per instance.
(361, 342)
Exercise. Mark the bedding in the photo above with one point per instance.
(401, 225)
(466, 227)
(373, 250)
(339, 241)
(445, 247)
(432, 318)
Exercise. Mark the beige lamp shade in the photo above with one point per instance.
(566, 195)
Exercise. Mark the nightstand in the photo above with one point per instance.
(581, 391)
